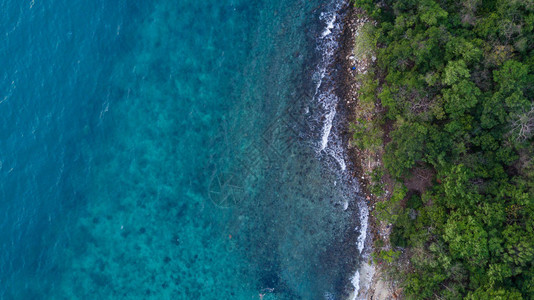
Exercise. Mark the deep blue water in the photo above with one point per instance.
(170, 150)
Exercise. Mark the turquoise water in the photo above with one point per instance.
(171, 150)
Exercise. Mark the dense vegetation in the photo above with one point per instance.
(453, 82)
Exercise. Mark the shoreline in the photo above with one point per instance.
(370, 283)
(338, 138)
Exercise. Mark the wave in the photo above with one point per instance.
(329, 146)
(329, 118)
(324, 94)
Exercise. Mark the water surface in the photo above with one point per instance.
(171, 149)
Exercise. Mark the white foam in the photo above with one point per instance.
(364, 220)
(362, 281)
(355, 280)
(327, 127)
(341, 163)
(318, 77)
(337, 154)
(329, 26)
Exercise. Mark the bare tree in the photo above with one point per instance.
(469, 11)
(523, 125)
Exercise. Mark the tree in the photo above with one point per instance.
(406, 149)
(459, 193)
(488, 292)
(467, 240)
(455, 71)
(461, 97)
(430, 12)
(518, 248)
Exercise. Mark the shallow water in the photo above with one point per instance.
(172, 149)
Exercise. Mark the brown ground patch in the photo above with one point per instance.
(420, 180)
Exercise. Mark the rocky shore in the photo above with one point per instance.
(373, 281)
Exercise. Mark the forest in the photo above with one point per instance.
(451, 90)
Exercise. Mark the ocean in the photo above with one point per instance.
(174, 150)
